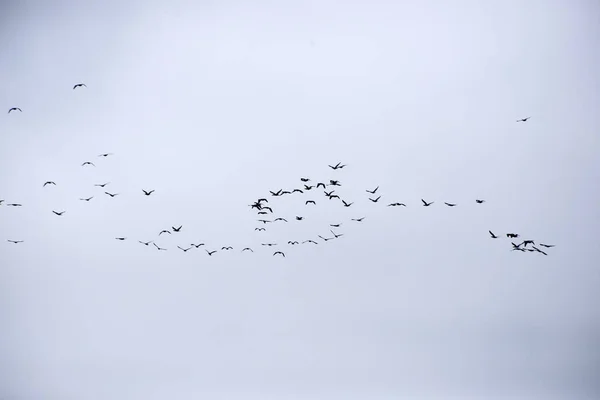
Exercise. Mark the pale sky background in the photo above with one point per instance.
(212, 104)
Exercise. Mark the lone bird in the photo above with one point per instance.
(372, 191)
(426, 204)
(479, 201)
(279, 252)
(280, 219)
(304, 179)
(523, 119)
(396, 204)
(210, 253)
(226, 248)
(375, 200)
(14, 205)
(101, 184)
(547, 245)
(335, 225)
(49, 183)
(177, 229)
(164, 231)
(450, 204)
(121, 238)
(346, 204)
(79, 85)
(299, 218)
(310, 202)
(148, 193)
(59, 213)
(260, 229)
(337, 166)
(310, 241)
(88, 199)
(15, 241)
(112, 194)
(336, 235)
(358, 219)
(325, 239)
(197, 245)
(512, 235)
(320, 184)
(292, 242)
(145, 243)
(159, 248)
(184, 250)
(14, 109)
(492, 234)
(247, 249)
(105, 154)
(88, 163)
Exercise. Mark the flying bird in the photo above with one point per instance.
(184, 250)
(337, 166)
(88, 163)
(375, 200)
(372, 191)
(335, 225)
(145, 243)
(120, 238)
(14, 205)
(197, 245)
(547, 245)
(297, 191)
(279, 252)
(88, 199)
(269, 244)
(105, 154)
(210, 253)
(310, 241)
(426, 204)
(523, 119)
(79, 85)
(347, 204)
(304, 179)
(246, 249)
(159, 248)
(280, 219)
(148, 193)
(450, 204)
(396, 204)
(334, 183)
(264, 221)
(277, 193)
(539, 251)
(336, 235)
(101, 184)
(177, 229)
(527, 242)
(49, 183)
(14, 109)
(321, 184)
(112, 194)
(358, 219)
(512, 235)
(15, 241)
(307, 187)
(292, 242)
(226, 248)
(164, 231)
(328, 194)
(310, 202)
(325, 239)
(492, 234)
(59, 213)
(479, 201)
(299, 218)
(260, 229)
(267, 208)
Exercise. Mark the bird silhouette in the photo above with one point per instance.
(260, 229)
(264, 221)
(334, 183)
(159, 248)
(307, 187)
(310, 202)
(279, 252)
(177, 229)
(297, 191)
(320, 184)
(335, 225)
(280, 219)
(14, 109)
(226, 248)
(492, 235)
(269, 244)
(182, 249)
(450, 204)
(396, 204)
(299, 218)
(512, 235)
(375, 200)
(101, 184)
(88, 199)
(547, 245)
(337, 166)
(325, 239)
(523, 119)
(358, 219)
(88, 163)
(14, 205)
(479, 201)
(197, 245)
(346, 204)
(79, 85)
(304, 179)
(372, 191)
(310, 241)
(247, 249)
(336, 235)
(539, 251)
(145, 243)
(148, 193)
(426, 204)
(121, 238)
(15, 241)
(49, 183)
(112, 194)
(210, 253)
(105, 154)
(292, 242)
(59, 213)
(164, 231)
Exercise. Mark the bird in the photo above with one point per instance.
(526, 242)
(310, 202)
(264, 221)
(279, 252)
(268, 208)
(15, 241)
(325, 239)
(547, 245)
(261, 200)
(358, 219)
(372, 191)
(59, 213)
(14, 205)
(335, 225)
(334, 183)
(79, 85)
(280, 219)
(292, 242)
(516, 246)
(49, 183)
(88, 163)
(262, 213)
(210, 253)
(101, 184)
(112, 194)
(336, 235)
(145, 243)
(450, 204)
(307, 187)
(479, 201)
(14, 109)
(184, 250)
(105, 154)
(335, 196)
(226, 248)
(297, 191)
(347, 204)
(512, 235)
(197, 245)
(337, 166)
(375, 200)
(278, 193)
(148, 193)
(328, 194)
(269, 244)
(539, 251)
(285, 192)
(321, 184)
(426, 204)
(177, 229)
(396, 204)
(121, 238)
(260, 229)
(158, 248)
(304, 179)
(299, 218)
(523, 119)
(492, 234)
(246, 249)
(88, 199)
(1, 201)
(310, 241)
(164, 231)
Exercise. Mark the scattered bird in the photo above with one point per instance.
(372, 191)
(337, 166)
(112, 194)
(210, 253)
(547, 245)
(310, 241)
(325, 239)
(145, 243)
(280, 219)
(260, 229)
(88, 163)
(310, 202)
(14, 109)
(177, 229)
(88, 199)
(358, 219)
(120, 238)
(450, 204)
(59, 213)
(264, 221)
(184, 250)
(336, 235)
(335, 225)
(479, 201)
(279, 252)
(297, 191)
(101, 184)
(321, 184)
(334, 183)
(105, 154)
(512, 235)
(375, 200)
(247, 249)
(527, 242)
(16, 241)
(148, 193)
(49, 183)
(292, 242)
(426, 204)
(347, 204)
(14, 205)
(304, 179)
(523, 119)
(159, 248)
(492, 234)
(197, 245)
(226, 248)
(79, 85)
(396, 204)
(164, 231)
(299, 218)
(269, 244)
(307, 187)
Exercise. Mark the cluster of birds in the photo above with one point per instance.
(263, 208)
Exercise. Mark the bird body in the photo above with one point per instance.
(14, 109)
(79, 85)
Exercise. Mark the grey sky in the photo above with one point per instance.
(213, 104)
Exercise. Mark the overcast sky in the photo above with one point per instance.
(213, 104)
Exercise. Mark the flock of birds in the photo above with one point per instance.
(263, 208)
